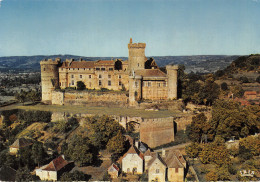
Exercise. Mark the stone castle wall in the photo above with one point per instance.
(157, 131)
(90, 98)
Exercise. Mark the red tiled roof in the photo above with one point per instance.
(113, 166)
(56, 164)
(105, 62)
(150, 73)
(250, 93)
(78, 64)
(133, 150)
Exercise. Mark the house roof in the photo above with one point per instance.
(78, 64)
(148, 152)
(56, 164)
(105, 62)
(134, 150)
(157, 156)
(7, 173)
(20, 143)
(150, 73)
(173, 162)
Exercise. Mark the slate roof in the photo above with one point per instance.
(56, 164)
(150, 73)
(173, 162)
(20, 143)
(7, 173)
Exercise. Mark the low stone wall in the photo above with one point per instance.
(157, 131)
(172, 105)
(90, 98)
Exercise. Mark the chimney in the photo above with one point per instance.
(163, 152)
(137, 144)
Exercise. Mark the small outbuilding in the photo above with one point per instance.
(113, 171)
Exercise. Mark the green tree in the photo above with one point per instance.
(23, 174)
(81, 85)
(199, 126)
(80, 150)
(258, 79)
(21, 97)
(117, 143)
(224, 86)
(38, 153)
(33, 96)
(193, 150)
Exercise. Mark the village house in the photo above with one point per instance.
(18, 144)
(132, 161)
(53, 170)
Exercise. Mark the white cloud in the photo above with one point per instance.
(0, 3)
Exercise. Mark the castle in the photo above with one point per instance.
(140, 76)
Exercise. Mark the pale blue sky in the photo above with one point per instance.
(104, 27)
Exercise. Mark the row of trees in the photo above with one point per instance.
(220, 157)
(102, 133)
(31, 95)
(228, 120)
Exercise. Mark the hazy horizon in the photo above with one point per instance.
(102, 28)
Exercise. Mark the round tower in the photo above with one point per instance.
(49, 78)
(172, 74)
(136, 58)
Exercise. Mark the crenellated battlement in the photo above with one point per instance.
(50, 61)
(137, 45)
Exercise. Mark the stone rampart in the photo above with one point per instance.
(157, 131)
(90, 98)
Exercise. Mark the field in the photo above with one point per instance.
(97, 110)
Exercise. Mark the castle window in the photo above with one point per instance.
(109, 76)
(159, 84)
(89, 68)
(72, 76)
(110, 69)
(138, 64)
(164, 84)
(149, 84)
(84, 68)
(69, 68)
(80, 76)
(157, 171)
(109, 82)
(73, 68)
(89, 76)
(119, 83)
(78, 68)
(176, 170)
(72, 82)
(99, 76)
(99, 82)
(97, 68)
(103, 69)
(43, 69)
(89, 84)
(119, 76)
(136, 84)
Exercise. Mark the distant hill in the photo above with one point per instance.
(201, 63)
(242, 64)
